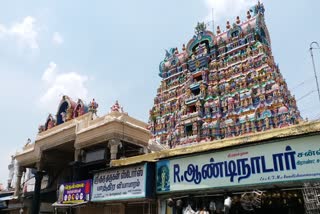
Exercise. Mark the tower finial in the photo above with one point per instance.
(238, 20)
(228, 25)
(201, 26)
(218, 29)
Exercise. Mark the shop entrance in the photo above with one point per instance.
(141, 208)
(255, 202)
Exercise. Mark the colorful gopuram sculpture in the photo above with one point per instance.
(116, 107)
(221, 85)
(68, 110)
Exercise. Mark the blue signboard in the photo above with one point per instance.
(289, 160)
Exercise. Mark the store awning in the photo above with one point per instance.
(59, 205)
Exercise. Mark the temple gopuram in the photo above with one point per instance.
(221, 85)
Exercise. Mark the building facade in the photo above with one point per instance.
(69, 150)
(235, 141)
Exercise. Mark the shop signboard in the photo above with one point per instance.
(283, 161)
(120, 183)
(75, 192)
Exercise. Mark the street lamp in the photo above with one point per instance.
(314, 67)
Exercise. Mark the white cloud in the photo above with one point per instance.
(24, 32)
(225, 10)
(49, 73)
(3, 30)
(57, 39)
(61, 83)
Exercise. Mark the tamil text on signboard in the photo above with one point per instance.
(119, 183)
(288, 160)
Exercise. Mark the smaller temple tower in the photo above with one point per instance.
(68, 110)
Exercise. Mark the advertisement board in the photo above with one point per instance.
(120, 183)
(288, 160)
(75, 192)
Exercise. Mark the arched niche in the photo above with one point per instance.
(234, 32)
(50, 122)
(65, 110)
(206, 37)
(80, 109)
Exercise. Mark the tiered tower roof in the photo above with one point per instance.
(221, 85)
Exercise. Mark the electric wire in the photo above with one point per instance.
(306, 95)
(302, 83)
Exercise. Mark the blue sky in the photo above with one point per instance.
(110, 50)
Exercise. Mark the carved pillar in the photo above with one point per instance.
(36, 196)
(113, 145)
(18, 181)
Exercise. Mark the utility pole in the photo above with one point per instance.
(314, 67)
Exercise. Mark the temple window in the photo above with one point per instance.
(188, 129)
(195, 91)
(198, 78)
(192, 109)
(235, 33)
